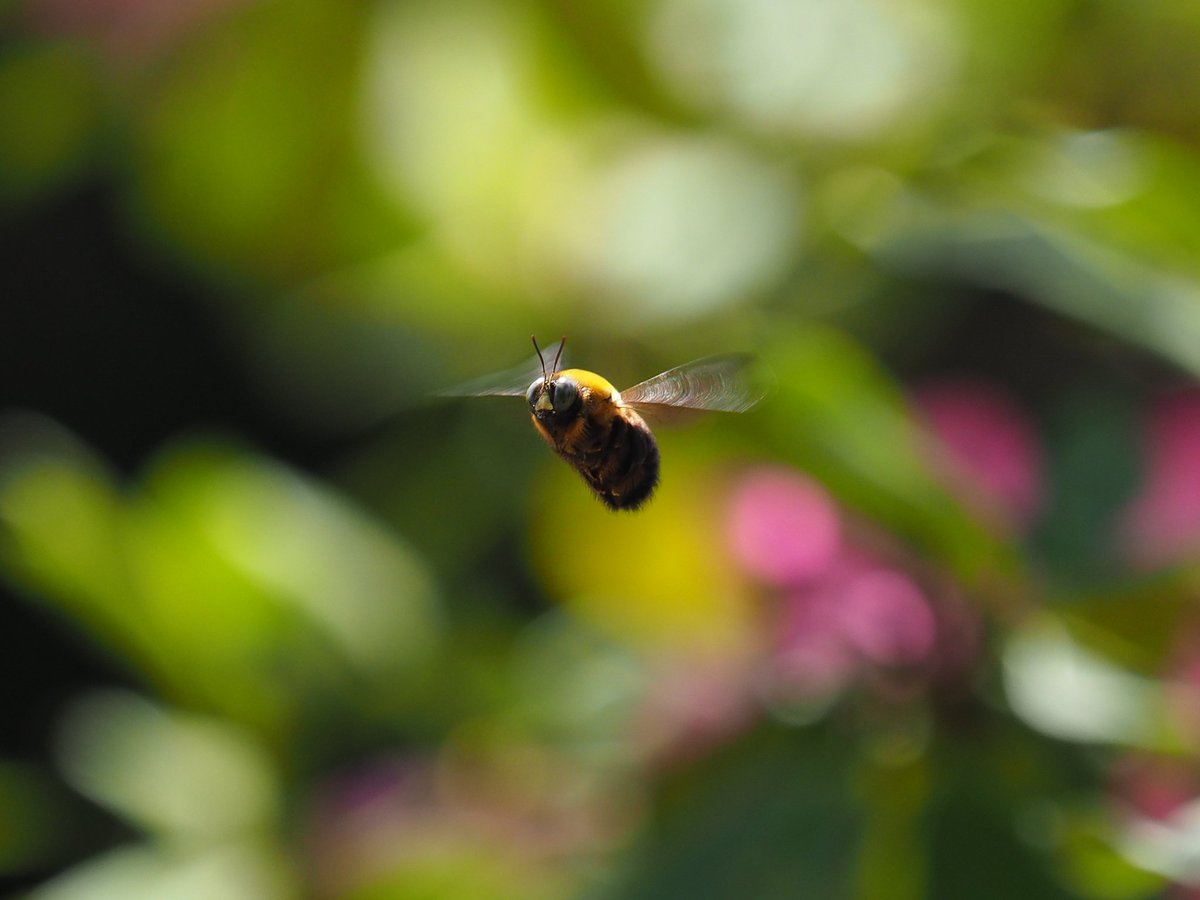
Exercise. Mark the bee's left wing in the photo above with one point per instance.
(726, 383)
(512, 382)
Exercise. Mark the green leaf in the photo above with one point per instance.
(771, 818)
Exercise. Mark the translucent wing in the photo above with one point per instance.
(721, 383)
(512, 382)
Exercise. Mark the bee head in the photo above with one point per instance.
(552, 394)
(551, 397)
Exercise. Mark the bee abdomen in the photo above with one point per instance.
(629, 463)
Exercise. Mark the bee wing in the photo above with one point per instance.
(720, 383)
(512, 382)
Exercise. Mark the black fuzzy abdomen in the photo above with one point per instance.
(626, 473)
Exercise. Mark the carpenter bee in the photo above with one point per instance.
(602, 432)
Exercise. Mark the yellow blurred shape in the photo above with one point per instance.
(659, 576)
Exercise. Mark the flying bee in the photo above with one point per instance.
(602, 432)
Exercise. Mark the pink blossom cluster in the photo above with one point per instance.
(843, 610)
(849, 603)
(986, 450)
(990, 454)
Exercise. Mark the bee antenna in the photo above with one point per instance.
(558, 355)
(539, 353)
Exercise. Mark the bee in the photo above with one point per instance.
(602, 432)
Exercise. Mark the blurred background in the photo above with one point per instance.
(279, 623)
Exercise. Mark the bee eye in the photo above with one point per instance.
(531, 395)
(564, 394)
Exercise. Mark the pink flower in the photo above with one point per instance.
(886, 618)
(991, 452)
(1162, 524)
(861, 614)
(844, 611)
(783, 527)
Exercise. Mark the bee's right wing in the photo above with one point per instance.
(512, 382)
(729, 383)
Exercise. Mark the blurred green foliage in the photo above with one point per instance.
(423, 662)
